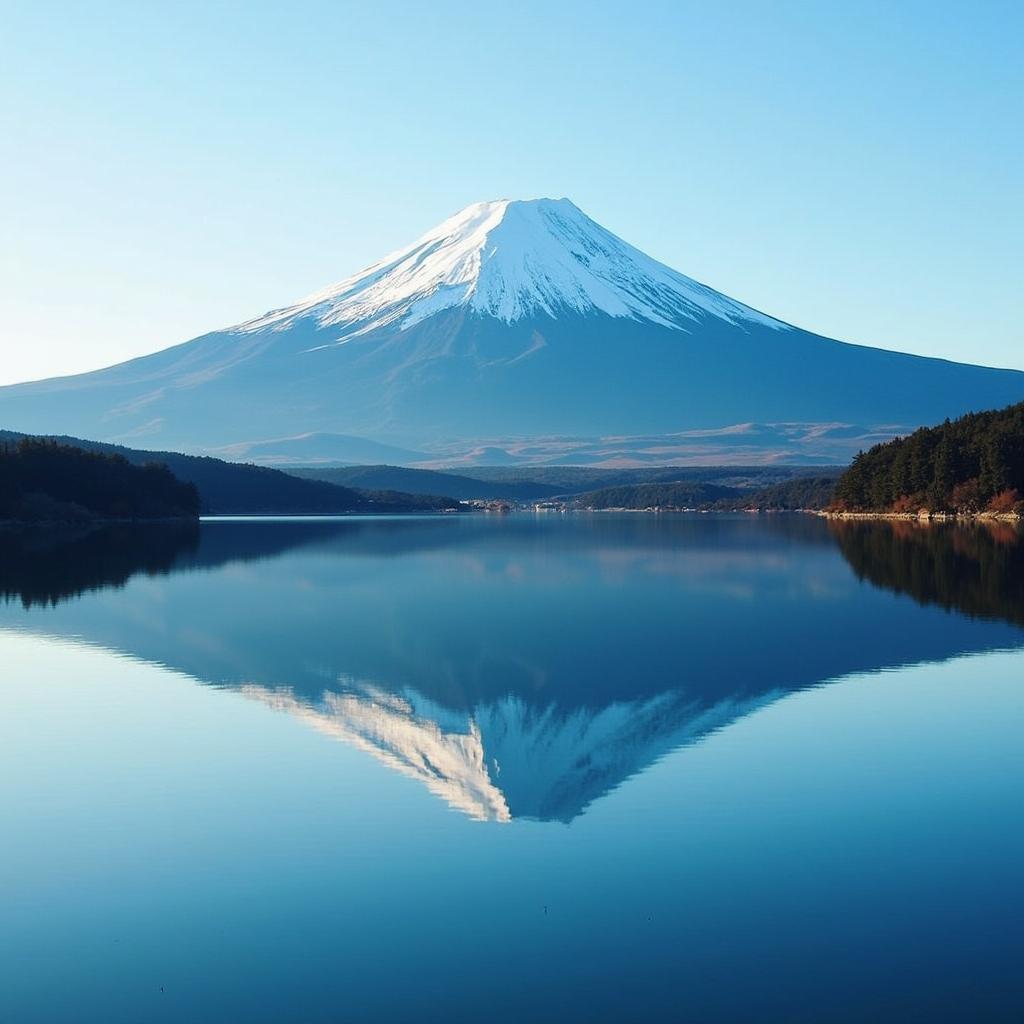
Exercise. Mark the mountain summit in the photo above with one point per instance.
(513, 331)
(514, 259)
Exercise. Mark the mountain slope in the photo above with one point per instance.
(508, 321)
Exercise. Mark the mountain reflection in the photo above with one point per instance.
(522, 667)
(509, 759)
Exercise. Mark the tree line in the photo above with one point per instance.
(971, 464)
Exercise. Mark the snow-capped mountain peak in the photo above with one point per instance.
(508, 260)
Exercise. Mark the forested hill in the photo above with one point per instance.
(45, 481)
(227, 488)
(811, 492)
(971, 464)
(679, 495)
(803, 493)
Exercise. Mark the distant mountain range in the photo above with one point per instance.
(540, 483)
(512, 333)
(318, 448)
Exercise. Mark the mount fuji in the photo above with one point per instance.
(513, 331)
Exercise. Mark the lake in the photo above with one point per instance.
(512, 768)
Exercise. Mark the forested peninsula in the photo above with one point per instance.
(970, 466)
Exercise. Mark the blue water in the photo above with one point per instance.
(559, 768)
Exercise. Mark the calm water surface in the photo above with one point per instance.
(569, 768)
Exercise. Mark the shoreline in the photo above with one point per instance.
(928, 517)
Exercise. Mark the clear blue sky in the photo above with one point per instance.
(172, 168)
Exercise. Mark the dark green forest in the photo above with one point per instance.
(42, 480)
(807, 492)
(971, 464)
